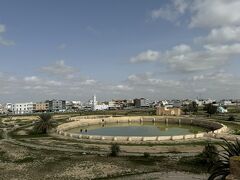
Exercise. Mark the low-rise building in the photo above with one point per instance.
(165, 111)
(199, 102)
(56, 105)
(114, 105)
(97, 106)
(221, 109)
(22, 108)
(228, 103)
(140, 103)
(40, 107)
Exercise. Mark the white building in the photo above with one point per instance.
(96, 106)
(22, 108)
(8, 106)
(227, 103)
(1, 109)
(220, 109)
(208, 101)
(199, 102)
(5, 108)
(113, 105)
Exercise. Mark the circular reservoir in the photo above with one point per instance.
(137, 129)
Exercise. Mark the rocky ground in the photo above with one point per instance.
(19, 162)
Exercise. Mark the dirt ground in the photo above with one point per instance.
(18, 162)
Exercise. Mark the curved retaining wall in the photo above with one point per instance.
(214, 127)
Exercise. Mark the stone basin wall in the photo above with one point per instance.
(214, 127)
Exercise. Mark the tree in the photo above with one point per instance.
(231, 118)
(192, 107)
(115, 150)
(210, 154)
(44, 124)
(221, 168)
(211, 109)
(185, 110)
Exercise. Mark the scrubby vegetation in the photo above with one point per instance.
(44, 125)
(205, 159)
(221, 168)
(231, 118)
(115, 150)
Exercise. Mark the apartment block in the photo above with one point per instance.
(40, 107)
(56, 105)
(22, 108)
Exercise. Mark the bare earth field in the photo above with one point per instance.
(18, 162)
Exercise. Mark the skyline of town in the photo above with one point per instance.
(159, 50)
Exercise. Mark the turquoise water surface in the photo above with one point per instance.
(137, 129)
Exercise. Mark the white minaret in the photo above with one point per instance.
(94, 104)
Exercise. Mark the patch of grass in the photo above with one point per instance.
(3, 156)
(173, 150)
(203, 161)
(237, 132)
(138, 160)
(192, 164)
(25, 160)
(94, 148)
(146, 154)
(14, 134)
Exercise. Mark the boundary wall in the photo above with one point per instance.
(78, 121)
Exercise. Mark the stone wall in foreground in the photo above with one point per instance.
(214, 127)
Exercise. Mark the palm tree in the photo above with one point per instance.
(44, 124)
(221, 168)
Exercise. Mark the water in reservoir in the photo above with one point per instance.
(137, 129)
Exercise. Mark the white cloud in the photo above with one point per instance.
(5, 42)
(121, 87)
(221, 35)
(215, 13)
(216, 76)
(147, 56)
(164, 13)
(218, 84)
(183, 58)
(170, 11)
(224, 50)
(148, 80)
(188, 60)
(89, 82)
(59, 69)
(181, 5)
(2, 28)
(203, 13)
(31, 79)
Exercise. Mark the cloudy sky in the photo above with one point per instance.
(119, 49)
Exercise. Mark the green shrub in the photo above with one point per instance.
(237, 132)
(115, 150)
(205, 159)
(210, 154)
(146, 154)
(231, 118)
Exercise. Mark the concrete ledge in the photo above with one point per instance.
(177, 137)
(91, 120)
